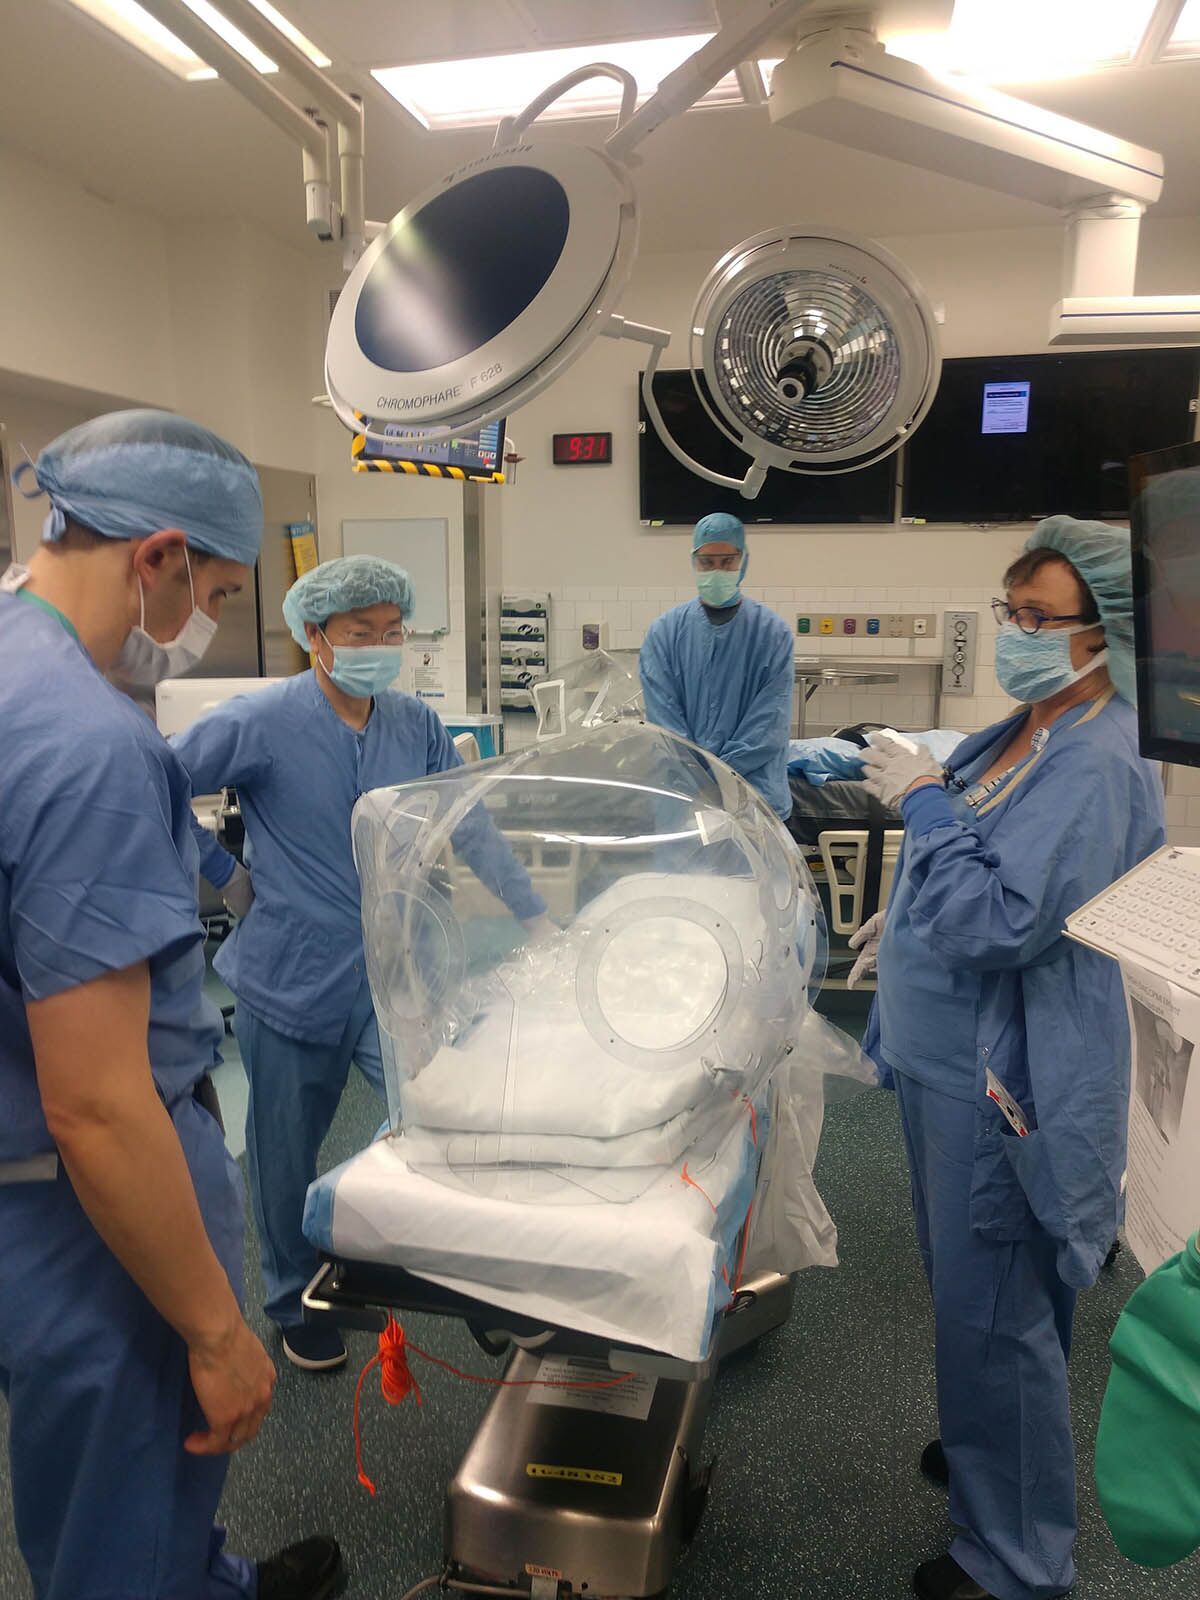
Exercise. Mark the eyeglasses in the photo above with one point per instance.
(1028, 618)
(718, 563)
(357, 637)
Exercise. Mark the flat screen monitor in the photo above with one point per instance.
(669, 493)
(478, 454)
(1165, 522)
(1016, 438)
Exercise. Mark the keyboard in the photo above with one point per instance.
(1150, 917)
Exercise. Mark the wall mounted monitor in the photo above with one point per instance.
(477, 454)
(1165, 523)
(669, 493)
(1016, 438)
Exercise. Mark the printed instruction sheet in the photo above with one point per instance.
(1163, 1184)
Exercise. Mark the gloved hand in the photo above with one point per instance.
(540, 930)
(890, 770)
(866, 940)
(238, 894)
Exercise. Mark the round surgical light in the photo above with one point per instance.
(818, 351)
(483, 289)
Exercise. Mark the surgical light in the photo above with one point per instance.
(488, 285)
(812, 351)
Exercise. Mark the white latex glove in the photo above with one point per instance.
(890, 770)
(238, 894)
(866, 941)
(540, 930)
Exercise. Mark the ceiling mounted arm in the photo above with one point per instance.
(334, 201)
(735, 42)
(343, 109)
(510, 129)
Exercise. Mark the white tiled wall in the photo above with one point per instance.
(1183, 805)
(907, 703)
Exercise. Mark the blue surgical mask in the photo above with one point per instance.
(1032, 667)
(718, 588)
(364, 670)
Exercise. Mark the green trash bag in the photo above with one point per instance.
(1148, 1447)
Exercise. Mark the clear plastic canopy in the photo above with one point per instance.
(601, 686)
(588, 959)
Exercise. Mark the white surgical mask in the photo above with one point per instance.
(145, 662)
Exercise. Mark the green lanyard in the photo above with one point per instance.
(53, 611)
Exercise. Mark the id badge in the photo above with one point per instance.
(1012, 1111)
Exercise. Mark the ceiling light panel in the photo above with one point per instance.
(1185, 41)
(1028, 41)
(478, 92)
(137, 27)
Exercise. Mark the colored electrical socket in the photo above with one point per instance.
(873, 625)
(803, 624)
(849, 624)
(826, 625)
(920, 627)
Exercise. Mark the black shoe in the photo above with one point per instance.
(310, 1570)
(315, 1346)
(944, 1579)
(934, 1464)
(1110, 1259)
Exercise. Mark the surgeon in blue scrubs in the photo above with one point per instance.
(720, 670)
(300, 754)
(1009, 1047)
(129, 1371)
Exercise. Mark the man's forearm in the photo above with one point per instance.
(128, 1169)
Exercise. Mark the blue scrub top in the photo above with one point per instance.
(296, 959)
(97, 865)
(727, 687)
(975, 972)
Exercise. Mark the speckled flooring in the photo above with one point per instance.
(818, 1434)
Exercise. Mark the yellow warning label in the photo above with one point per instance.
(537, 1469)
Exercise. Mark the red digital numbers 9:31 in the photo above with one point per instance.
(582, 449)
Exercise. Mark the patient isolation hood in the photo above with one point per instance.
(637, 1013)
(591, 963)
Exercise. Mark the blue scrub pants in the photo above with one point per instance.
(107, 1504)
(1002, 1320)
(295, 1088)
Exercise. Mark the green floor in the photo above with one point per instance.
(818, 1496)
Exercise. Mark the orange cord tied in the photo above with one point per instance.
(397, 1382)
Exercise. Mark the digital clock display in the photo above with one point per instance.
(582, 449)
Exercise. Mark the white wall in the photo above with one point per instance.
(216, 320)
(32, 421)
(345, 495)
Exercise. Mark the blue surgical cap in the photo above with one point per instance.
(350, 583)
(1100, 555)
(719, 527)
(132, 473)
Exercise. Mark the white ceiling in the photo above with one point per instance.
(75, 97)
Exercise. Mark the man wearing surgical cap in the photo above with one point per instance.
(129, 1370)
(1008, 1044)
(300, 754)
(720, 670)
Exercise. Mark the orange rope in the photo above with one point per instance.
(691, 1182)
(397, 1381)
